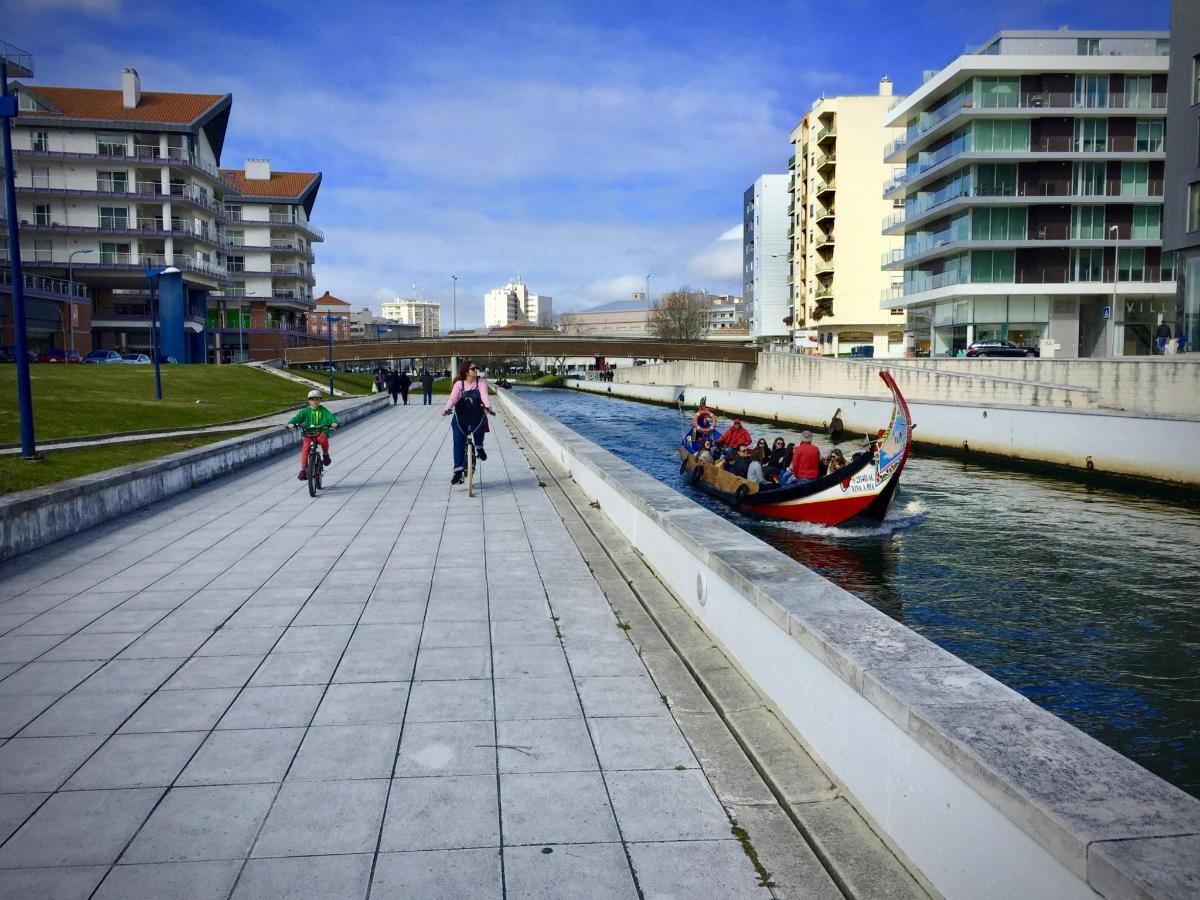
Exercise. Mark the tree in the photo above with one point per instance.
(548, 319)
(680, 315)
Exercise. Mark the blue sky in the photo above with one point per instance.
(581, 144)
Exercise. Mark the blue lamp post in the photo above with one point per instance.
(19, 63)
(329, 320)
(152, 276)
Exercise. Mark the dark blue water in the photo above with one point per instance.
(1084, 600)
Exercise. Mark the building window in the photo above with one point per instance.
(43, 251)
(114, 254)
(235, 263)
(27, 102)
(1091, 91)
(39, 176)
(992, 266)
(41, 214)
(1196, 79)
(41, 141)
(1131, 264)
(996, 180)
(1087, 265)
(1087, 223)
(110, 146)
(235, 238)
(1147, 223)
(1087, 179)
(114, 217)
(112, 182)
(233, 212)
(1149, 136)
(998, 224)
(997, 92)
(996, 135)
(1088, 47)
(1193, 219)
(1137, 92)
(1091, 135)
(1135, 179)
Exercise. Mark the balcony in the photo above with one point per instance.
(825, 161)
(1150, 275)
(896, 218)
(828, 133)
(40, 286)
(140, 153)
(823, 267)
(825, 188)
(824, 240)
(896, 181)
(150, 191)
(286, 219)
(823, 213)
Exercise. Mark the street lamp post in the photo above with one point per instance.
(454, 289)
(1112, 340)
(647, 293)
(329, 320)
(22, 65)
(152, 275)
(70, 282)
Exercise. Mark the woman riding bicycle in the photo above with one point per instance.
(468, 402)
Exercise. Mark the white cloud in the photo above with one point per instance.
(109, 9)
(733, 234)
(622, 287)
(720, 259)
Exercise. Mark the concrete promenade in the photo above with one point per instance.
(393, 690)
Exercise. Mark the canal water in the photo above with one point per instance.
(1083, 599)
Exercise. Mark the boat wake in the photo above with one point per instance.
(912, 515)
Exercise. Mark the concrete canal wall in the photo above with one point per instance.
(32, 519)
(987, 794)
(1084, 439)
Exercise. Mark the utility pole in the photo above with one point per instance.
(455, 308)
(329, 320)
(71, 287)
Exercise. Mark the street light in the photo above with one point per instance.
(454, 288)
(329, 320)
(152, 275)
(71, 281)
(21, 64)
(647, 293)
(1112, 340)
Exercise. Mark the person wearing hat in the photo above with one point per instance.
(735, 437)
(316, 421)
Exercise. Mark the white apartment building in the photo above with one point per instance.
(112, 182)
(765, 252)
(269, 257)
(425, 314)
(838, 252)
(515, 303)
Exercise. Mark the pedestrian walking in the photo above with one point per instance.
(379, 381)
(1162, 336)
(427, 387)
(393, 386)
(404, 383)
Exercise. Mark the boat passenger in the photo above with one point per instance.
(736, 436)
(834, 461)
(755, 473)
(705, 454)
(740, 464)
(806, 462)
(778, 459)
(761, 450)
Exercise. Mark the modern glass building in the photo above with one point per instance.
(1029, 186)
(1181, 216)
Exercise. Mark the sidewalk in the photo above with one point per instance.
(393, 689)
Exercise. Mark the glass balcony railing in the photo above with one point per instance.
(923, 283)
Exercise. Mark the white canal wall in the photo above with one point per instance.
(1115, 443)
(990, 796)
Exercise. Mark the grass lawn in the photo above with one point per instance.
(17, 474)
(71, 401)
(350, 382)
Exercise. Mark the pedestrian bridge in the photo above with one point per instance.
(496, 347)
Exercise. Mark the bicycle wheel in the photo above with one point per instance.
(470, 467)
(320, 475)
(314, 473)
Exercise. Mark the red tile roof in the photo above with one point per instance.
(327, 299)
(280, 184)
(94, 103)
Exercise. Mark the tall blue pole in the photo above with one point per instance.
(8, 111)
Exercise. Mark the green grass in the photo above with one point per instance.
(550, 381)
(71, 401)
(350, 382)
(17, 474)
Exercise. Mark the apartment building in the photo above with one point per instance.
(425, 314)
(836, 171)
(318, 320)
(765, 254)
(109, 183)
(1030, 176)
(514, 302)
(269, 258)
(1181, 213)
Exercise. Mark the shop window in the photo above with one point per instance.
(1087, 223)
(1091, 135)
(1147, 223)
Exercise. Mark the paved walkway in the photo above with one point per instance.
(393, 690)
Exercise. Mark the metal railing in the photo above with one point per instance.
(1146, 275)
(43, 284)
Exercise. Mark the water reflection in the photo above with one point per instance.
(1080, 598)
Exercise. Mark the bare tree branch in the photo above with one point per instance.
(680, 315)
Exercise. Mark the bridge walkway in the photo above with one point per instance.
(392, 690)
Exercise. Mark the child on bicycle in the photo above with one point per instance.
(316, 421)
(469, 403)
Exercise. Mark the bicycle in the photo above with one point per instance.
(316, 466)
(469, 474)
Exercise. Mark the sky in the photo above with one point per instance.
(582, 145)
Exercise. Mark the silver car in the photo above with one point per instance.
(135, 359)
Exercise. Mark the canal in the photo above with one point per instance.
(1083, 599)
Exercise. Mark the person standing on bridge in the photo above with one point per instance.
(426, 387)
(393, 386)
(404, 383)
(469, 402)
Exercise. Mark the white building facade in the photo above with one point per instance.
(425, 314)
(514, 302)
(765, 268)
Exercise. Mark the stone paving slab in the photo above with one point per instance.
(393, 690)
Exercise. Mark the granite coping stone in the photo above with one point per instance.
(1074, 796)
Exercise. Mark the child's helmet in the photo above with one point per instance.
(314, 394)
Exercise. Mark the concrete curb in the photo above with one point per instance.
(32, 519)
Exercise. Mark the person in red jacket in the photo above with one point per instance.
(806, 461)
(735, 437)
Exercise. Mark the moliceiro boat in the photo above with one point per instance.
(859, 493)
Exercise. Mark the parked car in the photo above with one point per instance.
(1000, 348)
(56, 355)
(135, 359)
(9, 355)
(103, 357)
